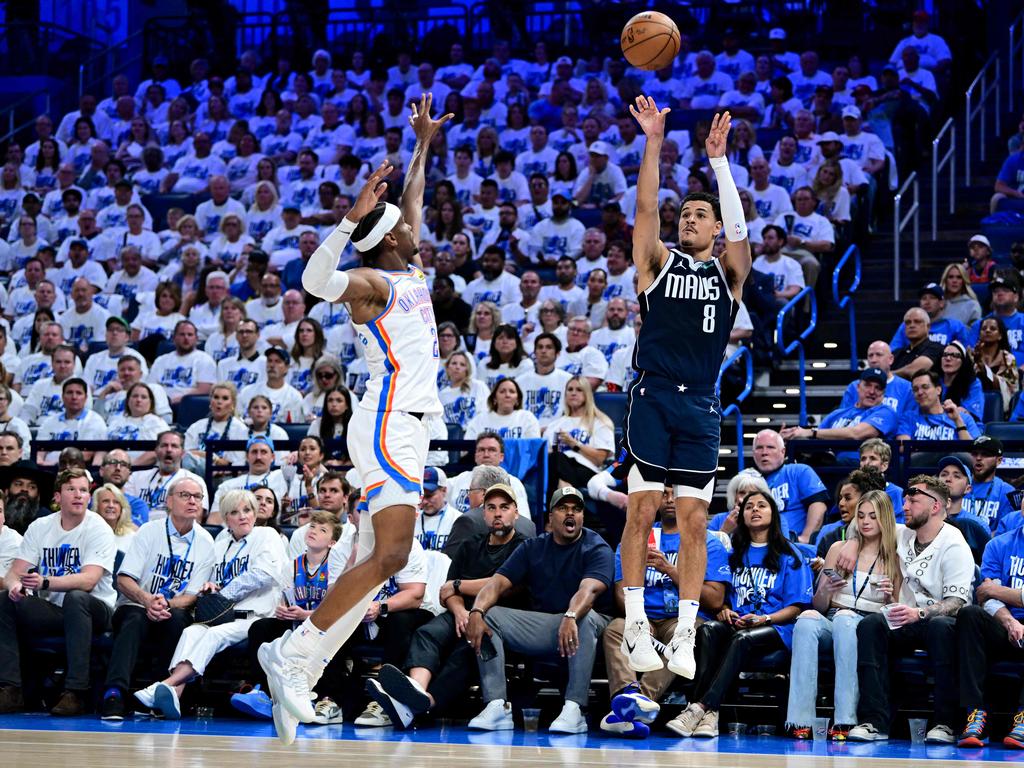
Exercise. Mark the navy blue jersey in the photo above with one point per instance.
(688, 312)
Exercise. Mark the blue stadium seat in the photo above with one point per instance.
(191, 409)
(1005, 430)
(159, 204)
(993, 409)
(614, 406)
(295, 431)
(589, 217)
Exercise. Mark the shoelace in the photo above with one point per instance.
(297, 679)
(375, 708)
(1018, 723)
(976, 721)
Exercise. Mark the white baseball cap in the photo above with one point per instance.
(980, 239)
(828, 136)
(778, 33)
(600, 148)
(851, 111)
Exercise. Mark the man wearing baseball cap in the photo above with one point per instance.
(942, 330)
(868, 417)
(259, 456)
(932, 49)
(987, 498)
(953, 472)
(567, 574)
(980, 266)
(864, 148)
(1005, 296)
(602, 181)
(436, 515)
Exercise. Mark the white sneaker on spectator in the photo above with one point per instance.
(686, 721)
(285, 724)
(327, 712)
(569, 720)
(940, 734)
(288, 680)
(373, 716)
(145, 696)
(165, 701)
(681, 660)
(866, 732)
(637, 647)
(395, 711)
(707, 728)
(497, 716)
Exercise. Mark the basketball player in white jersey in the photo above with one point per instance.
(387, 438)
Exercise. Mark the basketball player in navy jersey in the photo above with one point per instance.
(688, 301)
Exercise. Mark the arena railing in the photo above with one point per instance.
(1015, 52)
(938, 165)
(843, 298)
(97, 70)
(744, 354)
(797, 344)
(900, 222)
(564, 18)
(183, 38)
(982, 90)
(28, 104)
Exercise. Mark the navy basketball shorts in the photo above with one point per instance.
(671, 434)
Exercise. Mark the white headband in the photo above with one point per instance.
(386, 223)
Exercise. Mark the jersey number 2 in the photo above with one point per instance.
(709, 318)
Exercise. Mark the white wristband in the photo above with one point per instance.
(733, 221)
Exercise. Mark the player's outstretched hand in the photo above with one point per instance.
(373, 190)
(651, 119)
(423, 125)
(718, 136)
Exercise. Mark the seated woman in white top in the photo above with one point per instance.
(222, 424)
(505, 415)
(138, 422)
(110, 503)
(167, 298)
(248, 560)
(9, 423)
(840, 602)
(228, 247)
(222, 343)
(582, 440)
(507, 358)
(463, 397)
(308, 347)
(327, 374)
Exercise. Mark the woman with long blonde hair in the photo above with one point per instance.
(463, 396)
(833, 197)
(961, 300)
(110, 503)
(840, 602)
(581, 440)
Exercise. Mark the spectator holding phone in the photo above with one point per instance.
(771, 585)
(840, 602)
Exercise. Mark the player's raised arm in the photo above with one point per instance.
(736, 258)
(415, 175)
(321, 276)
(648, 251)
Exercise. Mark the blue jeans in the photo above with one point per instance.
(814, 635)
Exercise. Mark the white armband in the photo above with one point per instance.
(991, 607)
(733, 220)
(321, 276)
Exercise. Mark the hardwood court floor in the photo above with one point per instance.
(37, 741)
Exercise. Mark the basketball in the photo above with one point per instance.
(650, 40)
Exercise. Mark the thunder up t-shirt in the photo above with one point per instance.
(1004, 560)
(756, 589)
(795, 487)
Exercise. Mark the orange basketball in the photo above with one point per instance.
(650, 40)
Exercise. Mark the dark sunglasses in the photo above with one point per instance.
(912, 492)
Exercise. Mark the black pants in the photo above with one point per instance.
(722, 651)
(394, 636)
(876, 642)
(563, 467)
(449, 658)
(982, 641)
(133, 631)
(263, 631)
(80, 618)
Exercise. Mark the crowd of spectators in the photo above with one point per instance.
(153, 246)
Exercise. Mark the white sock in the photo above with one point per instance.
(634, 599)
(687, 615)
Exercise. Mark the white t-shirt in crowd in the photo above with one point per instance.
(518, 425)
(10, 542)
(458, 492)
(178, 374)
(262, 549)
(164, 561)
(56, 552)
(785, 270)
(944, 569)
(150, 486)
(587, 361)
(601, 436)
(286, 401)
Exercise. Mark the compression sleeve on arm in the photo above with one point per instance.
(733, 221)
(321, 276)
(600, 484)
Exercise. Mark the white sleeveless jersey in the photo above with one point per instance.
(400, 347)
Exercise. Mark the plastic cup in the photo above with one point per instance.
(885, 613)
(531, 719)
(820, 728)
(736, 729)
(765, 730)
(918, 729)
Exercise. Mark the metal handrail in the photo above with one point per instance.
(846, 301)
(107, 53)
(12, 110)
(937, 167)
(734, 407)
(899, 224)
(797, 343)
(1016, 42)
(972, 109)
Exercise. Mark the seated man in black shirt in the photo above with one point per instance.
(921, 354)
(568, 574)
(440, 663)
